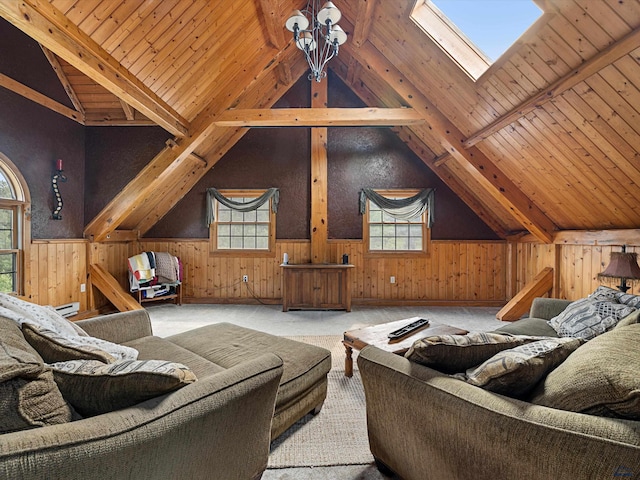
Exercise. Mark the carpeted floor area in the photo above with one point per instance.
(332, 445)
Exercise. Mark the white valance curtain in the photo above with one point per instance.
(401, 208)
(214, 194)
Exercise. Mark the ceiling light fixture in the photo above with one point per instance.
(323, 27)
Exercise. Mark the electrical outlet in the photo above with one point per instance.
(83, 287)
(245, 278)
(392, 279)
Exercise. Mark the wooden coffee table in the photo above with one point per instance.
(377, 335)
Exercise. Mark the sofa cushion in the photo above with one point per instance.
(156, 348)
(456, 353)
(94, 387)
(29, 396)
(600, 378)
(227, 345)
(590, 316)
(516, 371)
(537, 327)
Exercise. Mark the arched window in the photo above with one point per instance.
(15, 227)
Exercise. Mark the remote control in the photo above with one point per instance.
(407, 329)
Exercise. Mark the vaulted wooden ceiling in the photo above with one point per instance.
(548, 139)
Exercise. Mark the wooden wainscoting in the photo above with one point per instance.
(58, 268)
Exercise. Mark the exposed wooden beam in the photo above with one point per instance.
(589, 237)
(320, 117)
(283, 72)
(110, 288)
(273, 22)
(319, 233)
(48, 26)
(128, 111)
(450, 137)
(521, 303)
(40, 99)
(363, 20)
(55, 64)
(577, 75)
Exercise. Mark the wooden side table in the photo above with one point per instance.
(377, 335)
(321, 286)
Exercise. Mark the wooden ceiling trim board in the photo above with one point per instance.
(81, 10)
(57, 68)
(610, 237)
(232, 54)
(152, 28)
(602, 134)
(612, 85)
(590, 181)
(64, 5)
(363, 20)
(128, 21)
(37, 97)
(120, 18)
(532, 218)
(97, 17)
(181, 39)
(606, 17)
(47, 26)
(319, 117)
(273, 21)
(610, 116)
(577, 75)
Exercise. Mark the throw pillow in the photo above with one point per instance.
(29, 396)
(94, 388)
(456, 353)
(48, 320)
(628, 299)
(516, 371)
(589, 317)
(600, 378)
(53, 347)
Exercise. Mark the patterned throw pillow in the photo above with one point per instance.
(600, 378)
(29, 397)
(52, 347)
(516, 371)
(591, 316)
(456, 353)
(93, 388)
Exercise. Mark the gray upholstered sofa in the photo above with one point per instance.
(250, 387)
(426, 425)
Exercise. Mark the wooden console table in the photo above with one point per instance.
(321, 286)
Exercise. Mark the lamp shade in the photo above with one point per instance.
(329, 12)
(306, 42)
(337, 33)
(622, 265)
(299, 18)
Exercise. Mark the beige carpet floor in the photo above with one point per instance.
(338, 434)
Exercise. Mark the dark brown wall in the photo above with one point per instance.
(34, 137)
(115, 155)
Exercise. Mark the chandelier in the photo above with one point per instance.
(323, 27)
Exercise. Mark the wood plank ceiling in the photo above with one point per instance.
(546, 140)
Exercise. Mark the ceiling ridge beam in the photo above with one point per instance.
(450, 137)
(592, 66)
(40, 99)
(363, 21)
(49, 27)
(319, 117)
(57, 68)
(273, 23)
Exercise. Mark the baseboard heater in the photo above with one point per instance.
(68, 309)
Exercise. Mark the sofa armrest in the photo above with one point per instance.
(118, 327)
(425, 425)
(547, 308)
(217, 427)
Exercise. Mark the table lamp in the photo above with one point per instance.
(623, 265)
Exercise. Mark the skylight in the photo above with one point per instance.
(475, 33)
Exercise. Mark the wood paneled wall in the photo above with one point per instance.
(454, 272)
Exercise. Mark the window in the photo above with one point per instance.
(232, 230)
(14, 227)
(385, 233)
(474, 33)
